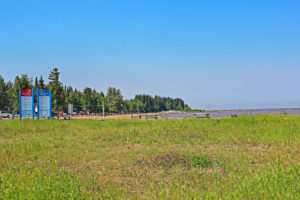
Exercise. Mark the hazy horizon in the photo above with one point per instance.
(213, 55)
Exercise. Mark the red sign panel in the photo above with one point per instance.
(27, 92)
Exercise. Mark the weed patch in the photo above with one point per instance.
(34, 183)
(186, 161)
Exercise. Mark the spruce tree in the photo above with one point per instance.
(58, 96)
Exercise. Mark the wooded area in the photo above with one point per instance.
(88, 99)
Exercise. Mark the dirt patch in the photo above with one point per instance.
(6, 140)
(125, 148)
(10, 140)
(218, 170)
(121, 116)
(257, 148)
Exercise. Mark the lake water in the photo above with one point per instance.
(227, 113)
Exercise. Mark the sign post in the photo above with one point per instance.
(37, 99)
(32, 103)
(103, 110)
(70, 110)
(20, 105)
(50, 105)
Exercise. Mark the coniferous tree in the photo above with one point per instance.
(42, 83)
(87, 98)
(3, 94)
(36, 83)
(58, 94)
(10, 92)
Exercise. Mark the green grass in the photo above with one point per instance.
(230, 158)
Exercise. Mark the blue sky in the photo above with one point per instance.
(213, 54)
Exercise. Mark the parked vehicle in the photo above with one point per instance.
(83, 112)
(5, 115)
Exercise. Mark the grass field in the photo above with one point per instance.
(231, 158)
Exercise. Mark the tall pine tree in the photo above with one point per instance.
(58, 95)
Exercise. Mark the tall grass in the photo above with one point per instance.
(231, 158)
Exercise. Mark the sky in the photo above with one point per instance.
(231, 54)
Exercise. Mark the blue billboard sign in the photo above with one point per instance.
(44, 103)
(26, 103)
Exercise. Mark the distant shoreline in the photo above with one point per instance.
(254, 109)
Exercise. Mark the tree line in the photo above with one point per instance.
(88, 99)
